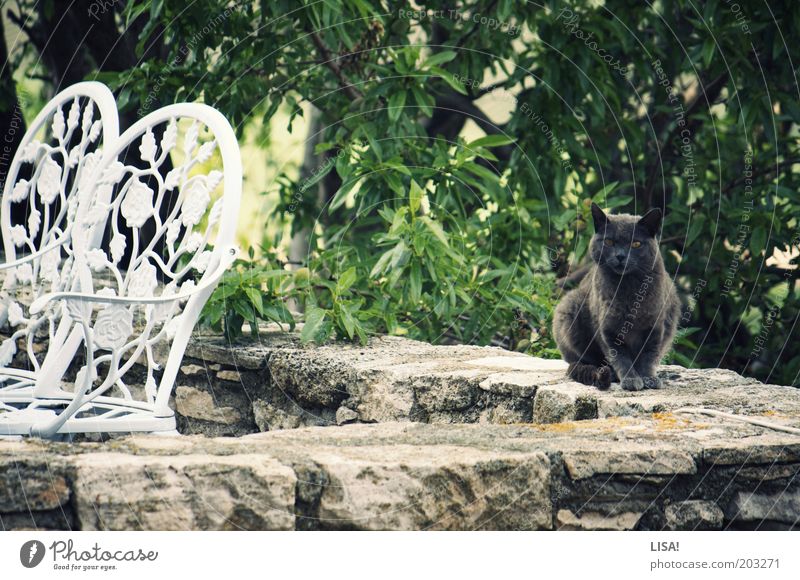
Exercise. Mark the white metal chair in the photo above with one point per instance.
(123, 314)
(51, 167)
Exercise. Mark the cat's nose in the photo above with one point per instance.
(621, 258)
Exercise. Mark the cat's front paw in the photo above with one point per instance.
(632, 383)
(653, 383)
(602, 377)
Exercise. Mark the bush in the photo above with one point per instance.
(413, 229)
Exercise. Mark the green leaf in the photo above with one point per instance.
(415, 282)
(256, 299)
(400, 255)
(435, 229)
(279, 313)
(424, 101)
(396, 103)
(695, 229)
(481, 171)
(306, 184)
(491, 141)
(346, 280)
(315, 317)
(438, 58)
(213, 312)
(341, 195)
(244, 309)
(758, 240)
(415, 195)
(347, 320)
(381, 264)
(708, 50)
(449, 79)
(606, 190)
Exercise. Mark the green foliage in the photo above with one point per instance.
(691, 107)
(248, 292)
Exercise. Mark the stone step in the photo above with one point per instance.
(276, 383)
(656, 472)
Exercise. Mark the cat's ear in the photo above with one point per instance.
(600, 218)
(651, 221)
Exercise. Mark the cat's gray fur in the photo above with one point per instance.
(620, 320)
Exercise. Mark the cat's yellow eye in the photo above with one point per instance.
(608, 242)
(636, 244)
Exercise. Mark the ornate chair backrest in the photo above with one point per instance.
(168, 197)
(50, 171)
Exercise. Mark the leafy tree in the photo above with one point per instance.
(400, 224)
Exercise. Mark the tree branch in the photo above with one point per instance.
(462, 105)
(708, 93)
(330, 62)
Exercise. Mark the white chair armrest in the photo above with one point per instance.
(38, 254)
(228, 257)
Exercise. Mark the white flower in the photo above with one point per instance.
(201, 261)
(190, 141)
(117, 247)
(7, 351)
(34, 221)
(95, 132)
(89, 165)
(86, 177)
(15, 314)
(147, 148)
(170, 136)
(137, 206)
(48, 266)
(72, 207)
(28, 153)
(97, 214)
(19, 236)
(49, 181)
(205, 152)
(20, 191)
(173, 179)
(214, 179)
(88, 115)
(74, 156)
(113, 326)
(113, 173)
(173, 230)
(216, 212)
(194, 241)
(24, 273)
(58, 124)
(143, 280)
(74, 114)
(187, 287)
(96, 259)
(195, 203)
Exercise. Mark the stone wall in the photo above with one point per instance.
(275, 383)
(405, 435)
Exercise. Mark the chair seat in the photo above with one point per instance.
(103, 415)
(16, 386)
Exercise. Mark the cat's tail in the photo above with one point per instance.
(597, 376)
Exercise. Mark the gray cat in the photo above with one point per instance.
(620, 320)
